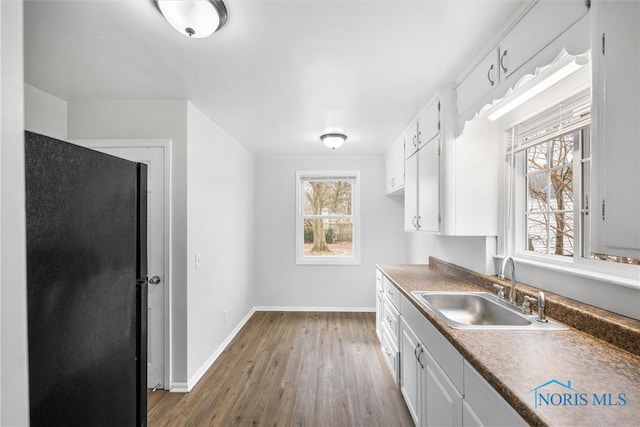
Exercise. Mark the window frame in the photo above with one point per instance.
(354, 259)
(514, 233)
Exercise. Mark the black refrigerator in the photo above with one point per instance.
(86, 284)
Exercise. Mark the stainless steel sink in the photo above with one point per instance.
(480, 310)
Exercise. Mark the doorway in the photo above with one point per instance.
(155, 154)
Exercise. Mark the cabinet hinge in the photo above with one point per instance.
(587, 3)
(438, 105)
(438, 124)
(439, 218)
(603, 43)
(603, 209)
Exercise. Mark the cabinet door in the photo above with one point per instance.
(469, 418)
(428, 123)
(410, 370)
(545, 21)
(616, 130)
(411, 193)
(482, 80)
(441, 401)
(410, 136)
(394, 167)
(429, 186)
(485, 405)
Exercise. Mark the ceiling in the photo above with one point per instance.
(279, 74)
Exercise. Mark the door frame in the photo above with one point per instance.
(166, 145)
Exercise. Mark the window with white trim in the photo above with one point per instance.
(327, 217)
(547, 193)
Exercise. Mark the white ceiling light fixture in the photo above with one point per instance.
(333, 140)
(194, 18)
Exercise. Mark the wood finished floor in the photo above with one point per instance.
(290, 368)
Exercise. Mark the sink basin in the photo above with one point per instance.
(480, 310)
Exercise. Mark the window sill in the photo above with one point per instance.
(586, 271)
(327, 261)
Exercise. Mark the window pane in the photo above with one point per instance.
(562, 189)
(328, 238)
(327, 197)
(537, 233)
(537, 185)
(537, 157)
(562, 149)
(561, 233)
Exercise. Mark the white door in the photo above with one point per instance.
(153, 156)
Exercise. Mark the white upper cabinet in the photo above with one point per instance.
(537, 28)
(429, 123)
(479, 83)
(394, 168)
(424, 128)
(542, 23)
(616, 128)
(422, 171)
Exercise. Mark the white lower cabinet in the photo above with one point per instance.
(410, 371)
(388, 323)
(379, 304)
(431, 396)
(442, 403)
(483, 406)
(440, 388)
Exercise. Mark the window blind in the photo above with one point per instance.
(327, 178)
(570, 114)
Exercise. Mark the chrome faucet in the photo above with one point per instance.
(512, 291)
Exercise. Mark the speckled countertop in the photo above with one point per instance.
(515, 362)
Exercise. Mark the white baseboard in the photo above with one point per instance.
(206, 365)
(179, 388)
(323, 309)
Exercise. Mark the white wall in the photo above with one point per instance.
(220, 230)
(44, 113)
(282, 283)
(147, 120)
(474, 253)
(14, 383)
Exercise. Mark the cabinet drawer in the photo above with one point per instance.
(391, 319)
(392, 293)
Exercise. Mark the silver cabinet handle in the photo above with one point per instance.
(415, 222)
(414, 141)
(154, 280)
(489, 75)
(419, 133)
(502, 61)
(389, 320)
(418, 225)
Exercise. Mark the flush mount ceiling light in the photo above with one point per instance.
(194, 18)
(333, 140)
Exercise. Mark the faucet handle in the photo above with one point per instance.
(500, 290)
(526, 305)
